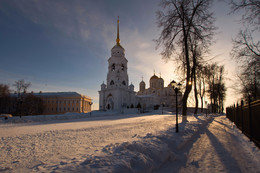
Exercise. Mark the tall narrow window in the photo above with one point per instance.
(112, 82)
(113, 67)
(122, 67)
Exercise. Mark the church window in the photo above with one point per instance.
(113, 67)
(122, 67)
(112, 82)
(123, 83)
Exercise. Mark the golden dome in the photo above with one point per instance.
(142, 83)
(154, 77)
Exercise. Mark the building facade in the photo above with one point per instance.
(48, 103)
(62, 102)
(117, 94)
(157, 94)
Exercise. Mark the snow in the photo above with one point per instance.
(130, 142)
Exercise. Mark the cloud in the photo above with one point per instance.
(79, 19)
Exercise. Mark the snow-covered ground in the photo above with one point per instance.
(124, 143)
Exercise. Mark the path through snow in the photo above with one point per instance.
(220, 147)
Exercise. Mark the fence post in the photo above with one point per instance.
(250, 119)
(237, 113)
(242, 116)
(234, 113)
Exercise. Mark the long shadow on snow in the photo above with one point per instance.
(181, 148)
(225, 156)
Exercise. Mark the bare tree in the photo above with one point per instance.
(4, 98)
(33, 105)
(251, 8)
(181, 21)
(244, 48)
(21, 86)
(201, 76)
(216, 87)
(250, 81)
(4, 90)
(247, 51)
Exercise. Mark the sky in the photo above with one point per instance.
(64, 45)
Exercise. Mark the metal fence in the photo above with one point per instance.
(247, 119)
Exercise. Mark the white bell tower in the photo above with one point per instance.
(117, 65)
(117, 94)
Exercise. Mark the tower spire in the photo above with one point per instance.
(117, 39)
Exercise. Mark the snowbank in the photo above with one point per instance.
(66, 116)
(147, 154)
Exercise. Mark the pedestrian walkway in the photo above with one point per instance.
(218, 147)
(221, 148)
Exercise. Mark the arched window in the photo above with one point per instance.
(112, 82)
(113, 67)
(123, 83)
(122, 67)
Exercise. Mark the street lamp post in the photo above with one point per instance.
(90, 103)
(176, 88)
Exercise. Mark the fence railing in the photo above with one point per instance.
(247, 119)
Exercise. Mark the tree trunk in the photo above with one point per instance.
(188, 75)
(201, 100)
(184, 101)
(195, 88)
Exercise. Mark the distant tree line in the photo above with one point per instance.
(19, 103)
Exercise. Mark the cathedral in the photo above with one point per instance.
(157, 95)
(117, 94)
